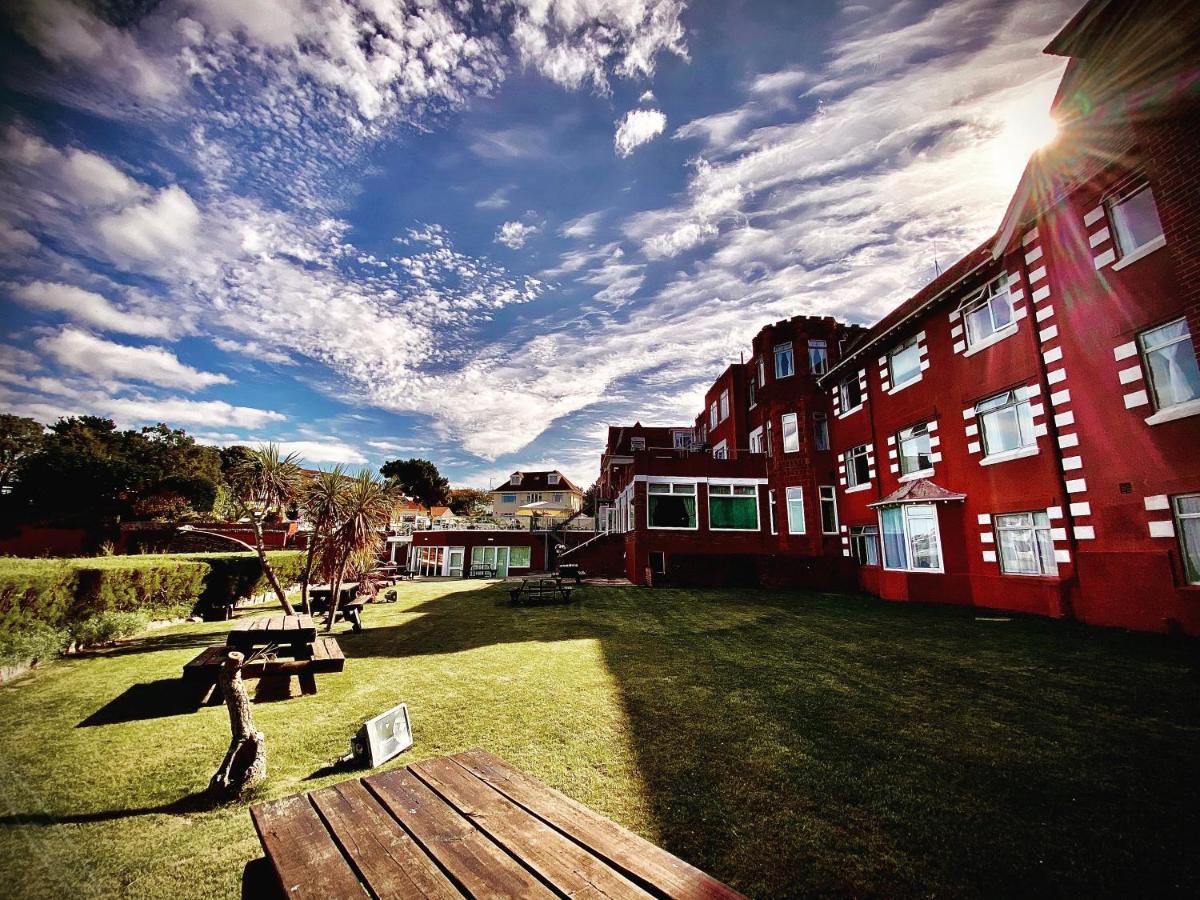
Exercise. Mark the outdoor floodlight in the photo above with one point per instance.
(382, 737)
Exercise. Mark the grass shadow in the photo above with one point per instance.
(148, 700)
(199, 802)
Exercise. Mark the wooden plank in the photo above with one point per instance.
(570, 868)
(473, 861)
(306, 860)
(389, 861)
(645, 862)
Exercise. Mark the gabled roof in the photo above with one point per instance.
(619, 436)
(538, 481)
(437, 511)
(920, 491)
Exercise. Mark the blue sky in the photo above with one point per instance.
(478, 232)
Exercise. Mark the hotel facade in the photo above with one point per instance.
(1022, 434)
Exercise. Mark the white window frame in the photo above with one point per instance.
(993, 291)
(1144, 355)
(796, 495)
(1180, 517)
(908, 512)
(552, 478)
(1112, 205)
(866, 534)
(713, 421)
(794, 445)
(1040, 535)
(1025, 427)
(823, 358)
(842, 385)
(913, 344)
(828, 497)
(721, 450)
(784, 351)
(673, 487)
(724, 404)
(851, 475)
(772, 512)
(637, 443)
(734, 490)
(762, 372)
(757, 440)
(913, 434)
(681, 440)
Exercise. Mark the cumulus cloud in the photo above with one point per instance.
(639, 126)
(89, 308)
(326, 450)
(101, 359)
(514, 234)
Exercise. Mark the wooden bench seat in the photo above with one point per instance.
(201, 673)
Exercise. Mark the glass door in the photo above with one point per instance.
(455, 565)
(501, 561)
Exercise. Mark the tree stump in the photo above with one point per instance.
(245, 764)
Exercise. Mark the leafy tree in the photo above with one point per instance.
(359, 533)
(20, 437)
(419, 479)
(589, 499)
(469, 501)
(263, 484)
(323, 499)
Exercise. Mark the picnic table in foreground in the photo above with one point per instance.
(468, 825)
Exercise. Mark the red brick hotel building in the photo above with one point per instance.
(1022, 434)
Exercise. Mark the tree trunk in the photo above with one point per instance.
(245, 765)
(266, 565)
(335, 596)
(306, 576)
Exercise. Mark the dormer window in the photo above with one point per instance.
(552, 478)
(637, 443)
(515, 479)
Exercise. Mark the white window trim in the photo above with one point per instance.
(996, 530)
(821, 500)
(722, 447)
(1177, 518)
(779, 349)
(772, 512)
(857, 488)
(913, 476)
(783, 433)
(695, 495)
(1178, 411)
(788, 505)
(994, 338)
(895, 389)
(937, 530)
(898, 386)
(1145, 250)
(731, 485)
(1019, 453)
(851, 411)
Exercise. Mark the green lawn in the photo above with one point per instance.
(788, 743)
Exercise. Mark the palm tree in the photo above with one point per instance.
(323, 499)
(262, 484)
(358, 535)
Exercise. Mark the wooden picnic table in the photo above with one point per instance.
(541, 590)
(292, 631)
(468, 825)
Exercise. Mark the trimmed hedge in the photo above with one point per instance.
(60, 592)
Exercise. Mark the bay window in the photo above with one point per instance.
(1169, 359)
(1025, 544)
(733, 507)
(910, 537)
(1005, 424)
(671, 505)
(1134, 218)
(795, 510)
(785, 365)
(988, 313)
(791, 433)
(914, 448)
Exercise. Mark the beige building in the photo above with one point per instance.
(536, 494)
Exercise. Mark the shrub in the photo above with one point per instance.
(106, 627)
(63, 592)
(33, 641)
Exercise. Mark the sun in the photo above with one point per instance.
(1026, 127)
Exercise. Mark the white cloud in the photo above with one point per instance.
(514, 234)
(583, 227)
(15, 240)
(646, 97)
(153, 231)
(254, 351)
(183, 412)
(89, 308)
(328, 450)
(103, 359)
(783, 80)
(639, 126)
(498, 199)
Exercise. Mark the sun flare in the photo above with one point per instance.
(1026, 127)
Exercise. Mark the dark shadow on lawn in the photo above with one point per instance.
(193, 803)
(148, 700)
(796, 744)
